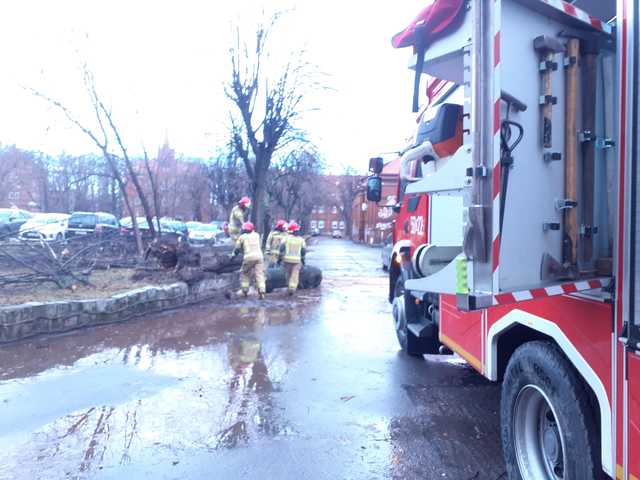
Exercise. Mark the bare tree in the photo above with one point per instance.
(153, 183)
(348, 188)
(106, 133)
(226, 180)
(294, 181)
(268, 100)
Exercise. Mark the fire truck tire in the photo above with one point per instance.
(402, 310)
(548, 427)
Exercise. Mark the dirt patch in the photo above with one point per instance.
(105, 284)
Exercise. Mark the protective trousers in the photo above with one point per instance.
(293, 275)
(252, 269)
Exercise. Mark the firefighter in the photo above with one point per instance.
(252, 262)
(292, 252)
(239, 215)
(274, 240)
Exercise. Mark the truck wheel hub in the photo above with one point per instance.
(398, 312)
(538, 438)
(550, 441)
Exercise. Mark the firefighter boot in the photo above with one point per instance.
(261, 295)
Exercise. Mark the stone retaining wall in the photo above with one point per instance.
(22, 321)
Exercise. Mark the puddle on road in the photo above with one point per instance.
(203, 378)
(34, 402)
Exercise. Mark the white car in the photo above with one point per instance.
(49, 227)
(203, 233)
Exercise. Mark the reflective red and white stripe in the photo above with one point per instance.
(496, 147)
(561, 289)
(436, 88)
(581, 15)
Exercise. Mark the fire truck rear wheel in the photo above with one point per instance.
(548, 428)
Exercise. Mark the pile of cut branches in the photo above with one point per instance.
(64, 263)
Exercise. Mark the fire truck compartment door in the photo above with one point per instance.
(446, 220)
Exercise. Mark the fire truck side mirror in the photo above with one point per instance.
(375, 165)
(374, 188)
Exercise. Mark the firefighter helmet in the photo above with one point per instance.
(245, 202)
(247, 227)
(293, 227)
(281, 225)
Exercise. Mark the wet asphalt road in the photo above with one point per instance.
(315, 388)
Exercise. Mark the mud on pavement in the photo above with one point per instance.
(313, 387)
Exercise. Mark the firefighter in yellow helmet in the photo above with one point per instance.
(239, 215)
(252, 262)
(292, 252)
(274, 240)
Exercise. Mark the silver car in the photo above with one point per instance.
(387, 248)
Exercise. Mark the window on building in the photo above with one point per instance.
(14, 195)
(320, 209)
(314, 224)
(321, 225)
(315, 210)
(341, 225)
(334, 209)
(334, 225)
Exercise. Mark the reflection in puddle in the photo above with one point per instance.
(127, 387)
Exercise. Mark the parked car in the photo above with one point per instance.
(336, 234)
(45, 226)
(191, 225)
(176, 225)
(166, 228)
(387, 248)
(11, 219)
(218, 224)
(99, 224)
(203, 234)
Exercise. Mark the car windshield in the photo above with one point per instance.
(44, 219)
(204, 228)
(5, 217)
(82, 220)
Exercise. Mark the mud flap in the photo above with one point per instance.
(422, 333)
(422, 338)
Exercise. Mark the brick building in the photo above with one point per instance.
(21, 180)
(334, 212)
(373, 222)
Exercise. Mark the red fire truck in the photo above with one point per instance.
(515, 243)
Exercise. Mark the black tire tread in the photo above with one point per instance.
(579, 425)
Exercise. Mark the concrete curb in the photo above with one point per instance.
(18, 322)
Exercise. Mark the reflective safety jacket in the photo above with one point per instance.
(236, 219)
(274, 240)
(249, 245)
(293, 249)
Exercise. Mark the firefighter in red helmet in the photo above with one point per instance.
(239, 215)
(274, 240)
(252, 262)
(292, 252)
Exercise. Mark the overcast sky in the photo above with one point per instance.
(162, 64)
